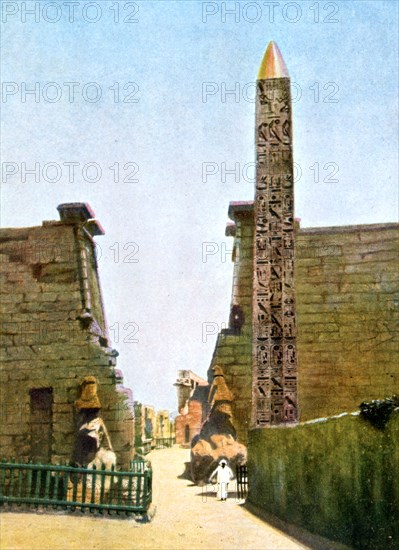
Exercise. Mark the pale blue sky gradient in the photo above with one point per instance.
(170, 53)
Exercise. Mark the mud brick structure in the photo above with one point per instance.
(192, 396)
(53, 334)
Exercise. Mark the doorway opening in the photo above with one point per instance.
(41, 424)
(187, 434)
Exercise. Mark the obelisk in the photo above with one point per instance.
(274, 391)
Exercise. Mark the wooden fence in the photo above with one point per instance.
(72, 488)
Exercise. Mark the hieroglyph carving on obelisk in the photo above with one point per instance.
(274, 395)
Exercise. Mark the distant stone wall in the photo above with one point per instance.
(347, 299)
(145, 425)
(337, 478)
(164, 427)
(52, 335)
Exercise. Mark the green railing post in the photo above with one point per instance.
(102, 487)
(56, 487)
(37, 485)
(75, 481)
(145, 490)
(11, 484)
(3, 481)
(29, 481)
(19, 486)
(150, 486)
(93, 488)
(120, 501)
(129, 489)
(63, 482)
(84, 486)
(138, 491)
(47, 484)
(111, 489)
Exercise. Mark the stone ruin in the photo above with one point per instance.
(93, 445)
(53, 335)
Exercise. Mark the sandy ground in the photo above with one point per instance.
(187, 518)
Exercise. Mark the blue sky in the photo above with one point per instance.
(344, 74)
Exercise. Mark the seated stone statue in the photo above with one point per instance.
(218, 437)
(93, 445)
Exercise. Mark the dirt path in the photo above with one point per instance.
(187, 518)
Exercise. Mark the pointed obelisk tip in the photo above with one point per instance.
(273, 65)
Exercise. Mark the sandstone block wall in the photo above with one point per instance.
(347, 297)
(347, 289)
(145, 425)
(234, 351)
(51, 337)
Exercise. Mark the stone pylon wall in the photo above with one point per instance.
(234, 351)
(347, 316)
(47, 342)
(347, 319)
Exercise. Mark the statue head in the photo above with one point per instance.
(88, 398)
(217, 370)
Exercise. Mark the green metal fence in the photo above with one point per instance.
(147, 447)
(72, 488)
(242, 481)
(139, 465)
(162, 442)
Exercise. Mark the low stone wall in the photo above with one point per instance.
(337, 477)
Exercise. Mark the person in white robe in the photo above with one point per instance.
(223, 475)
